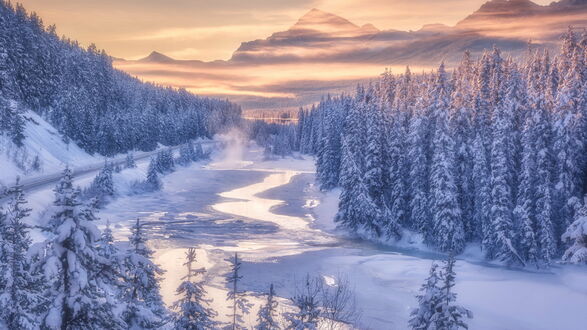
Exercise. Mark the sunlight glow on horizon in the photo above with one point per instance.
(186, 29)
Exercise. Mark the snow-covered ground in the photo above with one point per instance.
(281, 225)
(44, 141)
(272, 214)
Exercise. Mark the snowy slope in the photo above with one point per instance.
(44, 141)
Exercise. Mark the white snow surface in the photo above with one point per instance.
(43, 140)
(282, 226)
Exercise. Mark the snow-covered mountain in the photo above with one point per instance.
(321, 45)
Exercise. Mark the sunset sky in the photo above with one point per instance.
(210, 30)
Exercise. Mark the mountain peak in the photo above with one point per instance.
(319, 20)
(157, 57)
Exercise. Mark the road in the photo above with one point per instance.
(31, 184)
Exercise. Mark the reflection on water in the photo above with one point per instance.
(254, 207)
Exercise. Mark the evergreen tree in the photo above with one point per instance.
(448, 234)
(428, 301)
(240, 304)
(130, 161)
(71, 265)
(577, 234)
(187, 154)
(499, 243)
(192, 308)
(356, 211)
(448, 314)
(267, 316)
(307, 303)
(21, 290)
(153, 182)
(144, 307)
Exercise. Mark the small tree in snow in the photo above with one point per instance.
(153, 182)
(20, 291)
(72, 265)
(307, 303)
(130, 161)
(449, 315)
(192, 308)
(577, 234)
(240, 304)
(267, 316)
(144, 306)
(428, 301)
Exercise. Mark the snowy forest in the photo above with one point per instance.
(493, 152)
(448, 196)
(103, 110)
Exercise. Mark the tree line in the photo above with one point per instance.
(493, 152)
(79, 92)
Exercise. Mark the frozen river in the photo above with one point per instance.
(281, 225)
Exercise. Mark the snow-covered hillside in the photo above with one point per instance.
(44, 151)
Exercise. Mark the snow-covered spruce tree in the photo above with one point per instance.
(328, 154)
(267, 316)
(307, 304)
(192, 311)
(500, 243)
(153, 182)
(376, 171)
(569, 141)
(187, 154)
(144, 308)
(103, 185)
(356, 210)
(396, 108)
(577, 235)
(418, 186)
(130, 161)
(72, 266)
(21, 289)
(239, 303)
(461, 105)
(113, 269)
(448, 234)
(481, 194)
(428, 301)
(449, 315)
(525, 201)
(164, 162)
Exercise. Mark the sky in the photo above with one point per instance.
(213, 29)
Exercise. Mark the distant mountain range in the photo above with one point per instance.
(321, 41)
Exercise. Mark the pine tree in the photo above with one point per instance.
(240, 304)
(449, 235)
(130, 161)
(448, 314)
(113, 268)
(187, 154)
(144, 307)
(481, 194)
(428, 301)
(72, 264)
(525, 202)
(153, 182)
(307, 303)
(500, 243)
(192, 308)
(21, 291)
(577, 234)
(267, 316)
(356, 211)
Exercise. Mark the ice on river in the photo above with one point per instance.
(270, 212)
